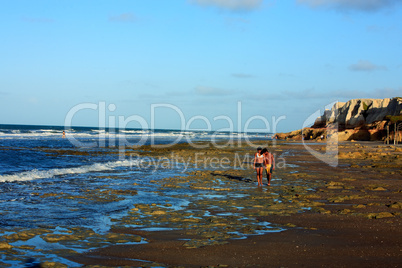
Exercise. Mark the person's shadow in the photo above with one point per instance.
(230, 177)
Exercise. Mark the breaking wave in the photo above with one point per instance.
(50, 173)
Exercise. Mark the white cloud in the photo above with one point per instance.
(378, 93)
(232, 5)
(387, 92)
(360, 5)
(366, 66)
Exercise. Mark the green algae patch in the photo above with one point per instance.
(320, 210)
(380, 215)
(25, 235)
(5, 245)
(54, 238)
(379, 189)
(340, 199)
(397, 205)
(48, 264)
(345, 211)
(122, 238)
(335, 185)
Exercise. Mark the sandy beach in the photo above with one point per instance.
(318, 216)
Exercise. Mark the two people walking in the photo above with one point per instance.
(264, 160)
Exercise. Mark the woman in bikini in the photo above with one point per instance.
(259, 165)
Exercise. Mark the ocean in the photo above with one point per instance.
(26, 150)
(43, 178)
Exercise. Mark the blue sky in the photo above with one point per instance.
(199, 60)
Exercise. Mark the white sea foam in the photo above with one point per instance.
(50, 173)
(136, 131)
(90, 134)
(122, 134)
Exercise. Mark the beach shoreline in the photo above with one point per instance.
(353, 218)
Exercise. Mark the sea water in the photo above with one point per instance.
(44, 176)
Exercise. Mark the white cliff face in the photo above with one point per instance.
(359, 112)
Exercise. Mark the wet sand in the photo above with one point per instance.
(343, 216)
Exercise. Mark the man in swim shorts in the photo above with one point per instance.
(269, 164)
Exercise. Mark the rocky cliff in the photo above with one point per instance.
(358, 119)
(360, 112)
